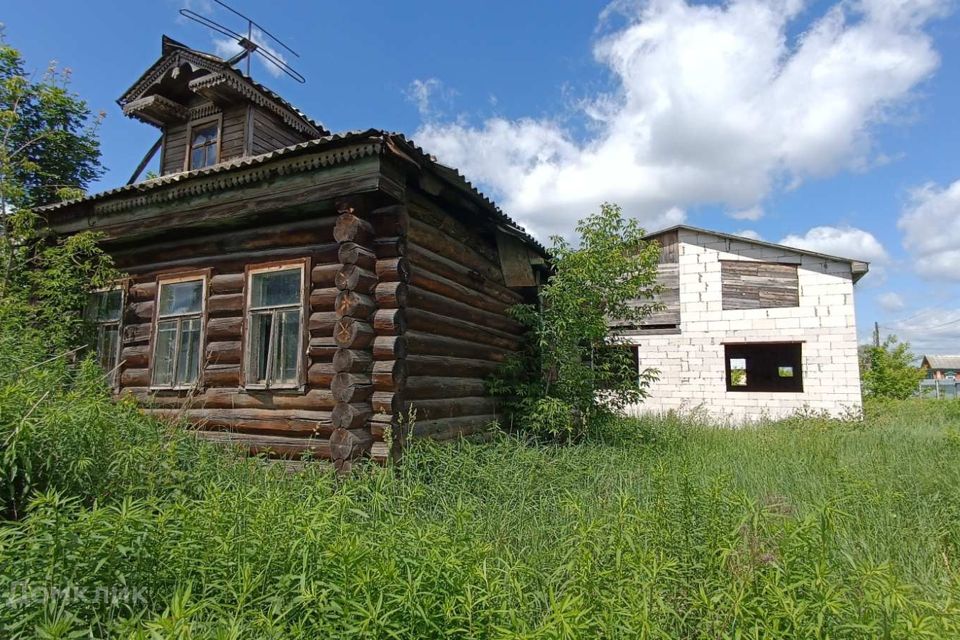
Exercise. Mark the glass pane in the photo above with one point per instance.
(785, 372)
(288, 348)
(275, 288)
(108, 337)
(738, 372)
(204, 135)
(260, 325)
(197, 158)
(163, 353)
(104, 306)
(188, 353)
(181, 297)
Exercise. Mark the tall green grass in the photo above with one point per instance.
(670, 528)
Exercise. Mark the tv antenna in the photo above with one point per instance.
(246, 42)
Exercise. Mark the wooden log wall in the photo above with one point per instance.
(458, 330)
(284, 422)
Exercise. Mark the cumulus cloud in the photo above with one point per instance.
(844, 242)
(749, 233)
(714, 103)
(931, 231)
(891, 301)
(428, 96)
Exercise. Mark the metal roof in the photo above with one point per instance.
(942, 362)
(858, 267)
(450, 175)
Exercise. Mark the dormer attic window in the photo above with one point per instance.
(204, 145)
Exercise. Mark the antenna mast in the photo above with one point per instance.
(246, 42)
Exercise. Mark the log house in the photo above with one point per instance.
(295, 291)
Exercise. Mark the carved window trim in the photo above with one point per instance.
(113, 374)
(303, 265)
(203, 276)
(199, 124)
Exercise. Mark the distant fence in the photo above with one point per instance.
(938, 389)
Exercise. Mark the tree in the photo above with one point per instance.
(574, 372)
(888, 370)
(48, 151)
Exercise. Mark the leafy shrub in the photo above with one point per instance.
(888, 370)
(572, 374)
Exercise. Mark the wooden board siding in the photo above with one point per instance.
(233, 133)
(269, 133)
(289, 420)
(669, 247)
(758, 285)
(239, 135)
(668, 317)
(174, 149)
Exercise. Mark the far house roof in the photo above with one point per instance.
(858, 268)
(941, 362)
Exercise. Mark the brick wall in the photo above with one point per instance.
(691, 364)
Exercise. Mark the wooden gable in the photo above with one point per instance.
(194, 97)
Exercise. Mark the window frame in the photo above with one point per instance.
(113, 376)
(198, 124)
(790, 384)
(204, 277)
(304, 266)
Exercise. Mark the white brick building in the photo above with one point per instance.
(750, 329)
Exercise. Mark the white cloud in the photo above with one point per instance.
(931, 228)
(843, 242)
(751, 213)
(714, 104)
(429, 96)
(891, 301)
(749, 233)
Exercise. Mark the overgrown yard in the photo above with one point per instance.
(808, 528)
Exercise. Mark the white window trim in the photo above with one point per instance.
(114, 375)
(202, 314)
(300, 265)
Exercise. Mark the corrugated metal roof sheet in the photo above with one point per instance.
(943, 362)
(856, 264)
(449, 174)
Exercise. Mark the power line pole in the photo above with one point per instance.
(876, 334)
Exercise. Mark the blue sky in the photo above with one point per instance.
(823, 124)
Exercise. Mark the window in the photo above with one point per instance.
(764, 367)
(274, 326)
(177, 338)
(204, 145)
(104, 311)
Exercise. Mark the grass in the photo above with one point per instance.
(668, 528)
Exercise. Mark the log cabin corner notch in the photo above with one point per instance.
(333, 281)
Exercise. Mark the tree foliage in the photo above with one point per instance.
(888, 370)
(573, 372)
(48, 151)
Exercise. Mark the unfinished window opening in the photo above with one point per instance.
(105, 311)
(764, 367)
(204, 145)
(177, 337)
(274, 327)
